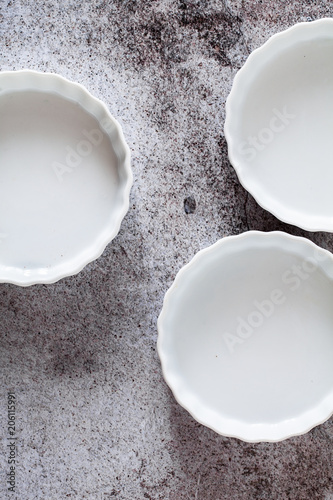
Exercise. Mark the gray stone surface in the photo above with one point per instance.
(95, 419)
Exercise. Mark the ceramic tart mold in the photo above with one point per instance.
(279, 124)
(245, 336)
(65, 177)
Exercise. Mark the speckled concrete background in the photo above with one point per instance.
(95, 419)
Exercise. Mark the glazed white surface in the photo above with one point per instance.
(279, 122)
(245, 336)
(64, 177)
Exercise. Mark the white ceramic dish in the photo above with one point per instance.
(65, 177)
(279, 124)
(245, 336)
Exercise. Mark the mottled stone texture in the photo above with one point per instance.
(95, 419)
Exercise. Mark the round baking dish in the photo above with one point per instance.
(279, 123)
(65, 177)
(245, 336)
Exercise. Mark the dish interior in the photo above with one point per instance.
(58, 182)
(248, 338)
(284, 124)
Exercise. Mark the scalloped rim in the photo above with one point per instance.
(299, 32)
(229, 427)
(58, 84)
